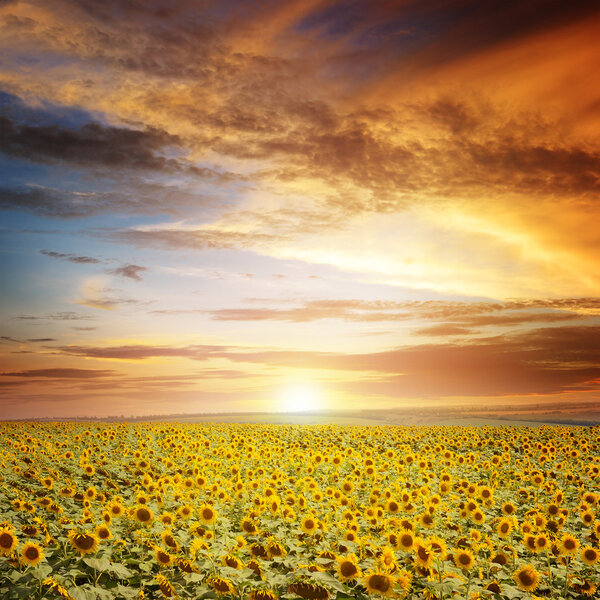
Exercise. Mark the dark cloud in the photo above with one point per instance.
(129, 271)
(6, 338)
(57, 316)
(92, 144)
(60, 373)
(41, 340)
(72, 257)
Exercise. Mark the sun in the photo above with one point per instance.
(300, 397)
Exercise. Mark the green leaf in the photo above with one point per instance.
(41, 571)
(121, 571)
(100, 564)
(126, 591)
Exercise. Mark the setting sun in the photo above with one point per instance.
(301, 397)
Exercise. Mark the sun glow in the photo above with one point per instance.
(301, 397)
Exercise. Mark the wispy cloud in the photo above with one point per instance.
(129, 271)
(85, 260)
(60, 373)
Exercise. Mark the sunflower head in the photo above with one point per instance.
(8, 541)
(347, 567)
(527, 578)
(463, 558)
(84, 543)
(379, 583)
(31, 554)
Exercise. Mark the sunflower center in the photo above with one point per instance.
(143, 514)
(381, 583)
(526, 578)
(85, 542)
(32, 553)
(6, 540)
(348, 568)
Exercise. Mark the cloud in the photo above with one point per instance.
(543, 361)
(57, 316)
(141, 351)
(444, 330)
(6, 338)
(60, 373)
(72, 257)
(41, 340)
(92, 144)
(454, 313)
(97, 295)
(129, 271)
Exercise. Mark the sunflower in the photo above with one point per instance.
(168, 540)
(208, 515)
(308, 590)
(142, 514)
(387, 560)
(406, 541)
(347, 567)
(232, 561)
(185, 512)
(589, 555)
(58, 589)
(254, 565)
(103, 532)
(8, 541)
(275, 549)
(423, 554)
(115, 509)
(220, 585)
(587, 588)
(478, 516)
(84, 543)
(463, 558)
(31, 554)
(568, 545)
(166, 587)
(527, 578)
(164, 559)
(378, 583)
(508, 508)
(504, 527)
(542, 542)
(249, 526)
(262, 594)
(309, 525)
(494, 587)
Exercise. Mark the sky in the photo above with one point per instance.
(267, 206)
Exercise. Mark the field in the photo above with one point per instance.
(266, 511)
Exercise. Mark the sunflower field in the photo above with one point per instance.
(260, 512)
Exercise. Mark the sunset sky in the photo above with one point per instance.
(247, 206)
